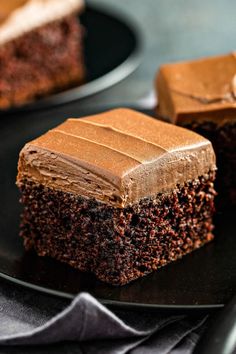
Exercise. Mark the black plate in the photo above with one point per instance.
(112, 52)
(203, 280)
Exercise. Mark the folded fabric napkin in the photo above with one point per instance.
(31, 319)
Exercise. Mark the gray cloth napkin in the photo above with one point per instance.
(31, 322)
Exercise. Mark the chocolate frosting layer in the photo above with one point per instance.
(202, 89)
(20, 16)
(117, 157)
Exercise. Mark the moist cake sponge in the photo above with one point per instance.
(41, 49)
(118, 194)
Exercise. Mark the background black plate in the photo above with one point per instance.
(203, 280)
(112, 52)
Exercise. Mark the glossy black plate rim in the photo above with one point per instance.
(116, 75)
(114, 303)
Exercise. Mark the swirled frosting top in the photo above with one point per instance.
(202, 89)
(118, 157)
(20, 16)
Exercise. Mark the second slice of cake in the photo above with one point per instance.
(41, 49)
(118, 194)
(201, 95)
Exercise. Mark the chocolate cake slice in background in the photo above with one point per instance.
(201, 95)
(118, 194)
(41, 49)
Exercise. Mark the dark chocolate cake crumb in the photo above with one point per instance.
(118, 245)
(223, 140)
(45, 60)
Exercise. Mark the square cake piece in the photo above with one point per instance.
(201, 95)
(41, 49)
(118, 194)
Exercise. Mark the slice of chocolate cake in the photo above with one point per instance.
(41, 49)
(201, 95)
(118, 194)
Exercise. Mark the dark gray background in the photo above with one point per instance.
(172, 30)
